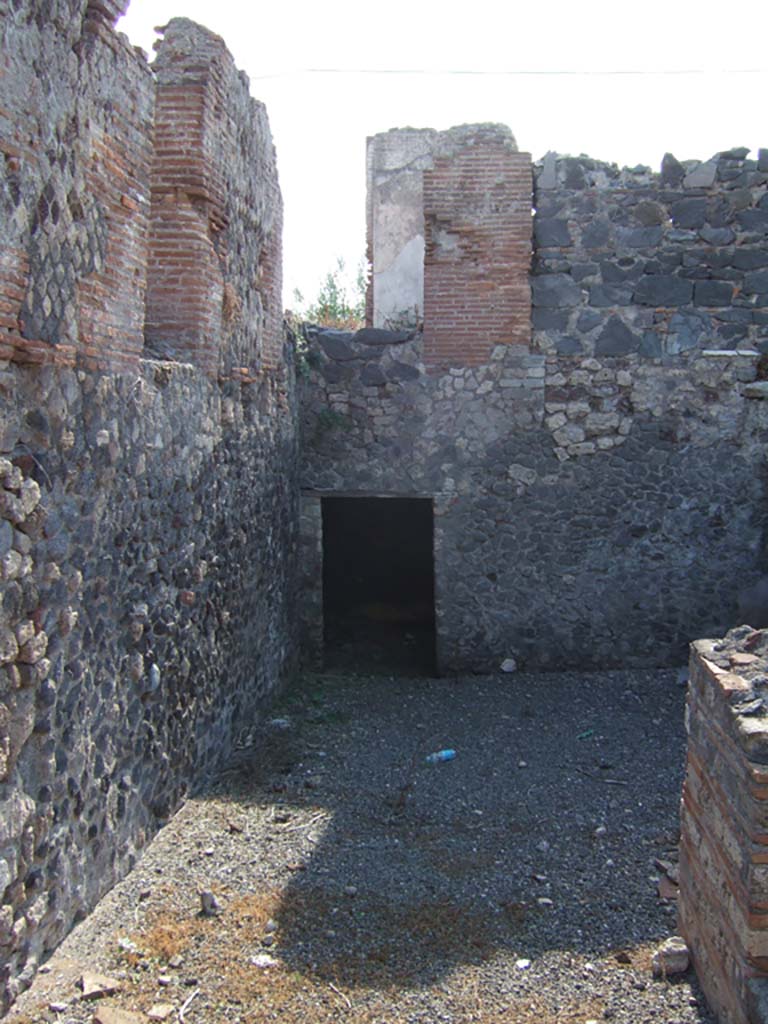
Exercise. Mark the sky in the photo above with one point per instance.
(620, 82)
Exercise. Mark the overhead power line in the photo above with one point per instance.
(572, 73)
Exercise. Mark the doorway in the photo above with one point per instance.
(378, 585)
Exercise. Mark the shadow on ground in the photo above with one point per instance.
(541, 835)
(357, 883)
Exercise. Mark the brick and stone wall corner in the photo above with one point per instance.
(76, 126)
(148, 507)
(723, 903)
(215, 268)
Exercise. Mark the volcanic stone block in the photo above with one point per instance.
(663, 290)
(689, 213)
(555, 290)
(550, 231)
(616, 339)
(712, 293)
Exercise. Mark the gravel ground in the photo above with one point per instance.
(517, 882)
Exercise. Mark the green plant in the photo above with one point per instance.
(335, 306)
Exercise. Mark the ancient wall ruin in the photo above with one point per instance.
(723, 904)
(147, 478)
(585, 466)
(577, 394)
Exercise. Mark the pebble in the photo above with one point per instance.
(522, 964)
(161, 1011)
(114, 1015)
(209, 905)
(672, 957)
(164, 980)
(281, 724)
(263, 960)
(58, 1007)
(94, 986)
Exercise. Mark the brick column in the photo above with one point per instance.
(215, 270)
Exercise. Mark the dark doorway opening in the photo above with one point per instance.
(378, 585)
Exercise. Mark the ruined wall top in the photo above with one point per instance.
(76, 105)
(396, 162)
(215, 285)
(142, 212)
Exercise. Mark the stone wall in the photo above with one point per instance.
(598, 490)
(75, 137)
(604, 558)
(628, 261)
(723, 902)
(148, 508)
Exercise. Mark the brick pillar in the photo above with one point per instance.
(723, 902)
(215, 272)
(185, 287)
(478, 224)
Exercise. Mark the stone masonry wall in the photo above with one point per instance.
(723, 902)
(653, 269)
(628, 261)
(604, 558)
(598, 494)
(148, 509)
(75, 138)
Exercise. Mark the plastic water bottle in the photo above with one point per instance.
(441, 755)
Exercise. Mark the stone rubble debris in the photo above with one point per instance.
(114, 1015)
(161, 1011)
(209, 905)
(94, 986)
(263, 960)
(672, 957)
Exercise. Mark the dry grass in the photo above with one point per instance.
(386, 949)
(167, 937)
